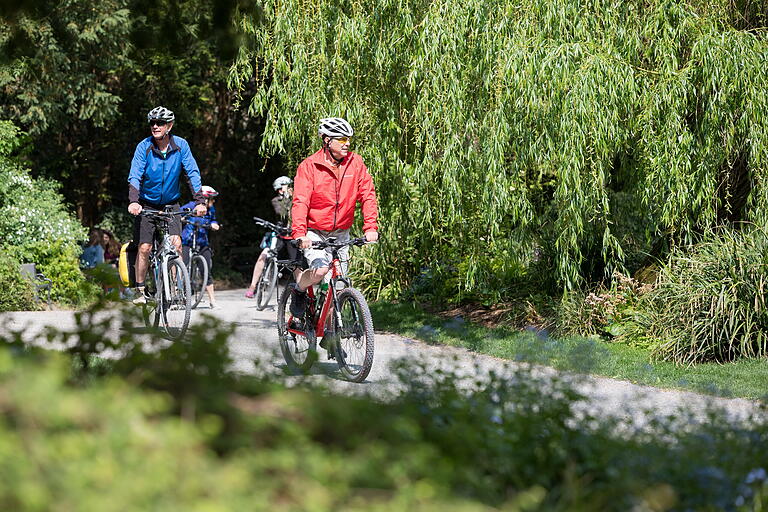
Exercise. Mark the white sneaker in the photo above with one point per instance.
(140, 298)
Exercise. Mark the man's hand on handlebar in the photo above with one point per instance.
(134, 208)
(304, 242)
(371, 236)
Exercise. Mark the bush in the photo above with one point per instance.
(58, 260)
(518, 441)
(17, 293)
(710, 301)
(35, 226)
(614, 311)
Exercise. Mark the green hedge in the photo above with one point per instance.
(36, 227)
(107, 434)
(17, 293)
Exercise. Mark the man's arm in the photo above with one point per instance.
(302, 192)
(135, 175)
(366, 195)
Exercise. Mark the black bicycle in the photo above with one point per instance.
(167, 282)
(267, 283)
(336, 313)
(197, 266)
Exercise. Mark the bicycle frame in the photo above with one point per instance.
(331, 300)
(162, 252)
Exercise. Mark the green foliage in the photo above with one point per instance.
(541, 124)
(17, 292)
(33, 209)
(615, 311)
(119, 222)
(58, 260)
(63, 56)
(709, 302)
(36, 227)
(517, 441)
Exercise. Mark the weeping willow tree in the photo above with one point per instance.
(575, 130)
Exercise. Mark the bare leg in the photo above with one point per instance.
(257, 269)
(142, 262)
(311, 277)
(211, 298)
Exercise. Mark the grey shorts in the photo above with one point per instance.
(317, 258)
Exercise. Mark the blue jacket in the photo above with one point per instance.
(154, 178)
(92, 255)
(202, 233)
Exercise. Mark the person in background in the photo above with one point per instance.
(281, 203)
(111, 256)
(111, 247)
(197, 224)
(93, 253)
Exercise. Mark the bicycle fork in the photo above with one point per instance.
(166, 278)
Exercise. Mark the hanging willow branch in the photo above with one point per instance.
(501, 126)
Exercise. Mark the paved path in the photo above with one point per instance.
(255, 338)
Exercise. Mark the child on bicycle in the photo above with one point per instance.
(198, 224)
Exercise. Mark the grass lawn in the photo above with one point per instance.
(746, 378)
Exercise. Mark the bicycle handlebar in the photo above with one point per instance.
(161, 214)
(282, 230)
(333, 244)
(205, 225)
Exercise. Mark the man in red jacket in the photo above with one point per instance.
(327, 187)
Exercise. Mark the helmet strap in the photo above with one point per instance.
(327, 148)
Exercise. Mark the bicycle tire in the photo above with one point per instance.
(354, 341)
(198, 278)
(149, 310)
(266, 285)
(174, 311)
(299, 352)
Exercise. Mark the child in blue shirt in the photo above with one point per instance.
(199, 225)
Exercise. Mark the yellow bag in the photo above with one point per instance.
(126, 264)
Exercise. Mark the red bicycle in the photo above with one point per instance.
(336, 313)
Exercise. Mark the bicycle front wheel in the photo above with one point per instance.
(353, 348)
(174, 302)
(198, 278)
(149, 310)
(297, 345)
(267, 284)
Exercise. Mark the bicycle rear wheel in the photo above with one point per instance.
(198, 278)
(267, 283)
(299, 350)
(353, 347)
(175, 303)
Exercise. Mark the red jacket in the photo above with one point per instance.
(324, 199)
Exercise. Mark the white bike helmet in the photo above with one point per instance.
(161, 113)
(334, 127)
(280, 182)
(208, 192)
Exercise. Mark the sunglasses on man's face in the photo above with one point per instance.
(343, 140)
(158, 122)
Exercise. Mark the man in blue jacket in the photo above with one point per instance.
(153, 182)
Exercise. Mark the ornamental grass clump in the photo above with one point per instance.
(709, 303)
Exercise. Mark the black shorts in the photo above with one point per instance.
(285, 250)
(144, 227)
